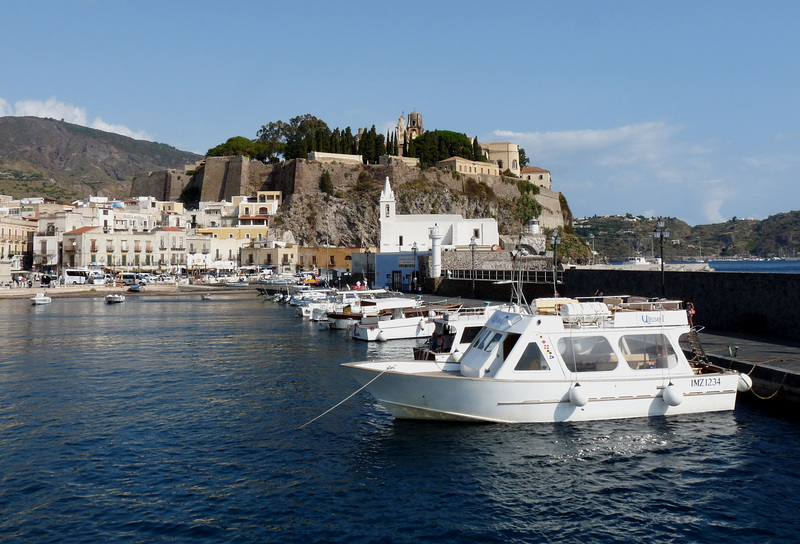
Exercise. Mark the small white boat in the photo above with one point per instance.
(40, 298)
(115, 298)
(399, 323)
(351, 309)
(565, 361)
(206, 296)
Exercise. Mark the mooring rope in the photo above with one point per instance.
(357, 391)
(780, 386)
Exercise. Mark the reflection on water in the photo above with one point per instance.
(178, 419)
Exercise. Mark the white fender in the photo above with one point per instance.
(455, 357)
(577, 396)
(381, 337)
(744, 383)
(672, 395)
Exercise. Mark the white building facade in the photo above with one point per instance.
(399, 233)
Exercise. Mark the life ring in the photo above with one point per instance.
(494, 247)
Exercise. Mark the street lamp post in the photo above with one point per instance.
(661, 231)
(472, 247)
(555, 239)
(591, 237)
(414, 248)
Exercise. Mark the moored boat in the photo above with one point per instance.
(400, 323)
(114, 298)
(40, 298)
(564, 361)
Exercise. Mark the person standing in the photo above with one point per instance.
(690, 311)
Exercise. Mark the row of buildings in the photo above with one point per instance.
(146, 235)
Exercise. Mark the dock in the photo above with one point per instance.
(772, 363)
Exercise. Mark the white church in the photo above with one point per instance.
(399, 233)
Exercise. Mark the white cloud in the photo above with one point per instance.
(72, 114)
(644, 143)
(99, 124)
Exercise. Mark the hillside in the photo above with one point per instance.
(620, 237)
(45, 157)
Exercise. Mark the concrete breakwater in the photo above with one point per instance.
(755, 303)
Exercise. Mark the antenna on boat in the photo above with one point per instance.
(517, 293)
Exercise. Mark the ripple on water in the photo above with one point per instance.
(178, 420)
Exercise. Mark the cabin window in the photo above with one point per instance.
(587, 354)
(645, 351)
(469, 334)
(487, 340)
(532, 359)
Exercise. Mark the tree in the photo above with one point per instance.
(527, 208)
(477, 152)
(326, 183)
(238, 145)
(523, 159)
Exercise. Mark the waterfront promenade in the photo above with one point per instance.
(77, 291)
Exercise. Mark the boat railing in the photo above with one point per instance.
(525, 276)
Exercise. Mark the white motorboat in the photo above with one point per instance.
(115, 298)
(399, 323)
(40, 298)
(565, 361)
(347, 314)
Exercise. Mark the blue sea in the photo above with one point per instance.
(780, 267)
(179, 420)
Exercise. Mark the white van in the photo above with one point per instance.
(75, 276)
(129, 278)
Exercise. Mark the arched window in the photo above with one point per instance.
(387, 210)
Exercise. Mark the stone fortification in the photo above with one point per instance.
(161, 184)
(429, 191)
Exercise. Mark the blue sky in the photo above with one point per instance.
(681, 109)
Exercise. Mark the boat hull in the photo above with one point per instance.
(395, 329)
(422, 390)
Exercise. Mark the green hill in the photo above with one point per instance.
(619, 237)
(45, 157)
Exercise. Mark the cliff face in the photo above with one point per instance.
(348, 216)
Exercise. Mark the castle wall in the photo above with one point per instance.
(161, 184)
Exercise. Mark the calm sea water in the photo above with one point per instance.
(177, 420)
(782, 267)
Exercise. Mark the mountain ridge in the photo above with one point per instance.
(64, 161)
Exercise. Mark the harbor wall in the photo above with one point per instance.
(755, 303)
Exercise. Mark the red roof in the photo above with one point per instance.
(532, 169)
(81, 230)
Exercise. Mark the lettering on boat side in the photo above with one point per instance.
(706, 382)
(652, 319)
